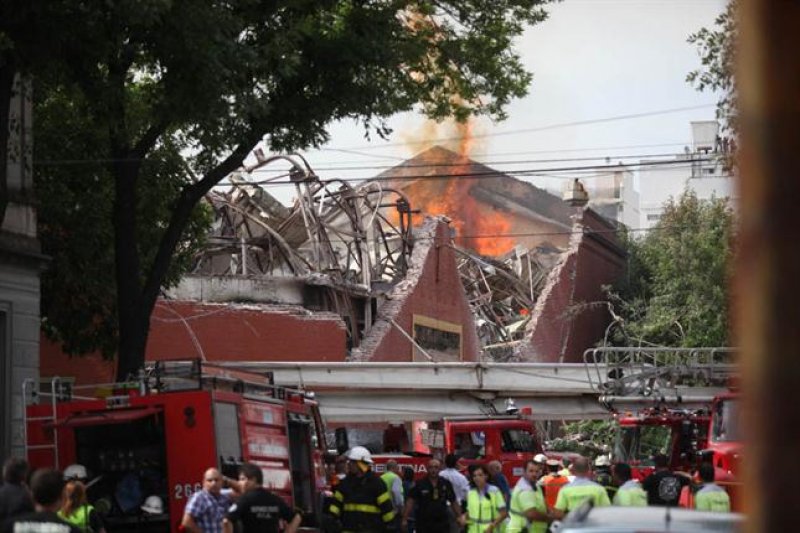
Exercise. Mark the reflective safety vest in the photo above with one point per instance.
(362, 503)
(551, 485)
(580, 490)
(712, 498)
(389, 478)
(79, 517)
(631, 494)
(483, 509)
(523, 499)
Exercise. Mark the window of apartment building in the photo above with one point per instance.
(654, 218)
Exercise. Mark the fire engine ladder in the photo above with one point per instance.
(30, 389)
(386, 392)
(659, 376)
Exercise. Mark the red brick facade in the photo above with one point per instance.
(570, 315)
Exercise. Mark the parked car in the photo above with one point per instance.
(587, 519)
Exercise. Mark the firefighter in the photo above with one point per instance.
(486, 507)
(361, 502)
(629, 491)
(552, 483)
(434, 501)
(664, 486)
(581, 489)
(710, 496)
(602, 475)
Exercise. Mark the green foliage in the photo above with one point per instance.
(76, 195)
(167, 89)
(675, 293)
(717, 50)
(586, 437)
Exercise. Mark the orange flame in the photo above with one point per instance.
(479, 227)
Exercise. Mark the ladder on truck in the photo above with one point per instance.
(31, 391)
(159, 377)
(659, 375)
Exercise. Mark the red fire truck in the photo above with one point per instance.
(511, 439)
(157, 436)
(674, 401)
(678, 433)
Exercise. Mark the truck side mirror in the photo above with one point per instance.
(342, 442)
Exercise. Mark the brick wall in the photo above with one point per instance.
(236, 332)
(559, 332)
(432, 289)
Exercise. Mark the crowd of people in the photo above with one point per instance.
(451, 498)
(49, 502)
(454, 497)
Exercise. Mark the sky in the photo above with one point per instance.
(594, 62)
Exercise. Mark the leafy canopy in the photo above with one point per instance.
(170, 95)
(717, 49)
(676, 290)
(76, 194)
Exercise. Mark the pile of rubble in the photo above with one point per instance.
(502, 293)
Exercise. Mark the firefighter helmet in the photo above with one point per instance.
(602, 460)
(359, 453)
(153, 505)
(75, 471)
(540, 459)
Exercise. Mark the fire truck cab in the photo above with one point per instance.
(680, 434)
(511, 439)
(157, 436)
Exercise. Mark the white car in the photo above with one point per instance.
(586, 519)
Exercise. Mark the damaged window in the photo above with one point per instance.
(446, 342)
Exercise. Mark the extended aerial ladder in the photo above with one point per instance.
(652, 376)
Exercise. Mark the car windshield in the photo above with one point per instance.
(638, 444)
(518, 440)
(726, 418)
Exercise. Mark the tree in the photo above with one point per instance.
(75, 196)
(717, 49)
(218, 77)
(675, 293)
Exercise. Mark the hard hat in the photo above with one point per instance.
(153, 505)
(540, 458)
(359, 453)
(602, 460)
(75, 471)
(553, 462)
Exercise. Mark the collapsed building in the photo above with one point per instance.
(437, 259)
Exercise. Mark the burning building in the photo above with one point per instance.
(532, 266)
(438, 259)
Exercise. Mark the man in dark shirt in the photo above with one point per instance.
(47, 486)
(432, 496)
(663, 486)
(259, 510)
(14, 496)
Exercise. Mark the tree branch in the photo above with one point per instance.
(190, 195)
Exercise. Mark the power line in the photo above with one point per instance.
(477, 154)
(497, 174)
(537, 129)
(584, 231)
(470, 162)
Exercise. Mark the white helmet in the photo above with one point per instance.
(602, 460)
(540, 458)
(153, 505)
(359, 453)
(75, 471)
